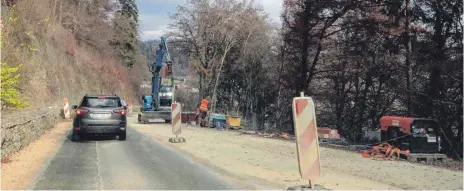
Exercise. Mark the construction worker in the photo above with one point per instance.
(204, 110)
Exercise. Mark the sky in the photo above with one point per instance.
(154, 15)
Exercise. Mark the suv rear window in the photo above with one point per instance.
(95, 102)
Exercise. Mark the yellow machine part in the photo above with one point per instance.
(233, 121)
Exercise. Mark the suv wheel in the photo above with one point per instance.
(167, 121)
(122, 136)
(75, 137)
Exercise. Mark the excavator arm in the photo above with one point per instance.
(152, 108)
(162, 56)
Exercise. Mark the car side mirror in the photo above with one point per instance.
(74, 107)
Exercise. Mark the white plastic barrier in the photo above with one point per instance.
(66, 110)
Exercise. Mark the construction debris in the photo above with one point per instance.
(449, 164)
(327, 133)
(385, 150)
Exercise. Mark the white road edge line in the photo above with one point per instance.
(100, 186)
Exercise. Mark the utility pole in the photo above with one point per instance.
(408, 69)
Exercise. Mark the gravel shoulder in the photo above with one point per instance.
(21, 168)
(272, 164)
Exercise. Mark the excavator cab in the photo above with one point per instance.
(417, 135)
(146, 101)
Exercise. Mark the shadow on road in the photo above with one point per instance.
(153, 123)
(90, 138)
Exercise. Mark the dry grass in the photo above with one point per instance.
(60, 67)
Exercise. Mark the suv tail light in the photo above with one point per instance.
(81, 111)
(120, 111)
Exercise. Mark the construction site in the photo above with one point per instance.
(397, 143)
(231, 95)
(269, 161)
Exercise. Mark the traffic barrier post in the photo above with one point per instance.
(66, 112)
(307, 142)
(175, 123)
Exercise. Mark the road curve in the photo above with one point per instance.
(139, 163)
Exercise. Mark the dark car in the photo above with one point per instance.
(100, 115)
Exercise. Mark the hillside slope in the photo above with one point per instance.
(60, 56)
(53, 50)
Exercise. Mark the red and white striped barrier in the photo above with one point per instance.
(175, 115)
(304, 117)
(176, 121)
(66, 111)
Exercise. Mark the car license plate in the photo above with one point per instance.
(431, 139)
(100, 115)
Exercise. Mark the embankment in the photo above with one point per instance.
(21, 128)
(60, 57)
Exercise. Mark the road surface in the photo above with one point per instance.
(135, 164)
(146, 160)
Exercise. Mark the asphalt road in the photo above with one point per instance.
(135, 164)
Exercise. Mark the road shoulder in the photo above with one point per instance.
(21, 168)
(272, 163)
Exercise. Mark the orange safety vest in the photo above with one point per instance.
(204, 105)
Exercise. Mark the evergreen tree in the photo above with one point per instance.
(129, 10)
(125, 39)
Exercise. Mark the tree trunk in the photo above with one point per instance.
(213, 105)
(408, 69)
(61, 8)
(303, 86)
(54, 10)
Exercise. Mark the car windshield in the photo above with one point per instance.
(165, 89)
(95, 102)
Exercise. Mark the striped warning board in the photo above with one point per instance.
(66, 112)
(304, 118)
(175, 115)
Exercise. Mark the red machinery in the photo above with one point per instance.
(417, 135)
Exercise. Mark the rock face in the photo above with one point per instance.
(18, 129)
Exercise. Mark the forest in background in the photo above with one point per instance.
(359, 60)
